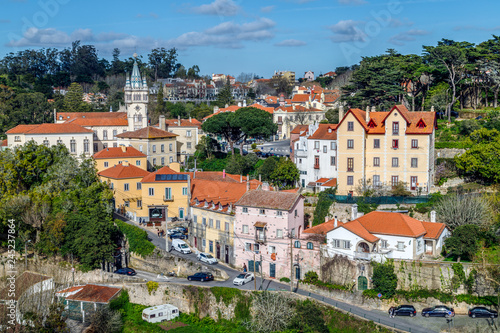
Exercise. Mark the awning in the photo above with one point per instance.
(260, 224)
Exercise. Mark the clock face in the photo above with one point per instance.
(137, 108)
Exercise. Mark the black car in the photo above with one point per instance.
(482, 312)
(201, 277)
(125, 271)
(177, 235)
(438, 311)
(404, 310)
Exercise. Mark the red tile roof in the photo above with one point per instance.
(184, 123)
(388, 223)
(149, 132)
(357, 228)
(48, 129)
(122, 171)
(151, 178)
(293, 190)
(4, 143)
(325, 132)
(218, 192)
(321, 229)
(299, 129)
(434, 230)
(217, 176)
(331, 183)
(94, 118)
(91, 293)
(233, 108)
(118, 152)
(22, 283)
(300, 98)
(269, 199)
(297, 108)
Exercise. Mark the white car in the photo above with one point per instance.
(243, 278)
(208, 258)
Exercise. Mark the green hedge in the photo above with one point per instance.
(137, 238)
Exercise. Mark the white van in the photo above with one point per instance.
(156, 314)
(180, 246)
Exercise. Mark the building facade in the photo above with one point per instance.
(109, 157)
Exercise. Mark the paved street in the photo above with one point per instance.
(276, 147)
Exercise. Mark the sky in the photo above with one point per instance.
(250, 36)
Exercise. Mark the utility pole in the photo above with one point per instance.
(72, 268)
(254, 277)
(261, 273)
(291, 262)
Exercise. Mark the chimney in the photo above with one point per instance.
(260, 178)
(265, 186)
(224, 174)
(124, 149)
(189, 118)
(367, 119)
(341, 113)
(373, 108)
(335, 222)
(432, 108)
(241, 178)
(248, 185)
(326, 218)
(179, 120)
(162, 123)
(354, 212)
(244, 103)
(227, 105)
(239, 104)
(433, 216)
(55, 116)
(216, 109)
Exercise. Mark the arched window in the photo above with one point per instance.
(310, 246)
(297, 244)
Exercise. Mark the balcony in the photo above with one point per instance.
(169, 199)
(260, 238)
(362, 255)
(316, 166)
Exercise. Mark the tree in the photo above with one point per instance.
(220, 124)
(480, 162)
(286, 174)
(73, 100)
(206, 147)
(225, 96)
(385, 281)
(267, 168)
(272, 312)
(458, 210)
(117, 66)
(332, 115)
(253, 122)
(325, 201)
(193, 72)
(464, 241)
(308, 318)
(160, 103)
(163, 62)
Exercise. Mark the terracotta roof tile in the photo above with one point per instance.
(331, 183)
(293, 190)
(151, 178)
(93, 293)
(322, 229)
(122, 171)
(149, 132)
(300, 98)
(21, 129)
(233, 108)
(357, 228)
(392, 224)
(48, 129)
(4, 143)
(218, 192)
(434, 230)
(269, 199)
(299, 129)
(118, 152)
(94, 118)
(325, 132)
(298, 108)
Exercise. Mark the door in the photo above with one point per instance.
(413, 182)
(226, 251)
(250, 266)
(257, 266)
(196, 242)
(218, 250)
(297, 273)
(181, 213)
(362, 283)
(272, 270)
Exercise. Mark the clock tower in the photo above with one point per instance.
(136, 99)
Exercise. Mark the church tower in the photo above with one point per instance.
(136, 99)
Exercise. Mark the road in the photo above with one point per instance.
(276, 147)
(402, 323)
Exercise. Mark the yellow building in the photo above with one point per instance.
(383, 149)
(109, 157)
(188, 133)
(290, 76)
(165, 194)
(125, 181)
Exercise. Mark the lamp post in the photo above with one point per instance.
(26, 253)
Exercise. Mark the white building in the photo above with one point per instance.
(315, 155)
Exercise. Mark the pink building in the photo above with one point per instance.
(268, 233)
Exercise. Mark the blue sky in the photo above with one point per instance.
(251, 36)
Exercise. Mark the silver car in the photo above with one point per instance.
(207, 258)
(243, 278)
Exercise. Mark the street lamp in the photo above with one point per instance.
(26, 253)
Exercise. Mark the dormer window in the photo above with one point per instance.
(220, 206)
(197, 201)
(421, 124)
(206, 204)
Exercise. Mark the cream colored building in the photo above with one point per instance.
(188, 133)
(288, 117)
(109, 157)
(383, 149)
(77, 139)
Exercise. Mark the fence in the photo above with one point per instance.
(383, 200)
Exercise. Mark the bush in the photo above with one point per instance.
(311, 277)
(325, 200)
(385, 281)
(285, 279)
(137, 238)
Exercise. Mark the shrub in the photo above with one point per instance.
(285, 279)
(137, 238)
(385, 281)
(311, 277)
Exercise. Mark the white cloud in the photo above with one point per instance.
(396, 23)
(291, 43)
(267, 9)
(473, 27)
(347, 31)
(352, 2)
(218, 7)
(407, 36)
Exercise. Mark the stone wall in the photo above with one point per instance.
(447, 152)
(162, 262)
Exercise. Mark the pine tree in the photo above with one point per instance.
(225, 96)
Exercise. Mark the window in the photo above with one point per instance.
(17, 138)
(188, 133)
(104, 145)
(203, 243)
(401, 246)
(336, 243)
(154, 161)
(262, 211)
(171, 159)
(376, 161)
(376, 180)
(126, 187)
(115, 145)
(211, 246)
(195, 218)
(105, 134)
(296, 245)
(414, 143)
(272, 249)
(226, 226)
(139, 186)
(115, 132)
(46, 143)
(279, 213)
(383, 244)
(333, 145)
(210, 223)
(350, 164)
(86, 145)
(138, 162)
(350, 180)
(316, 162)
(217, 224)
(279, 233)
(376, 143)
(140, 148)
(72, 146)
(395, 128)
(184, 191)
(168, 193)
(350, 144)
(204, 221)
(139, 203)
(296, 214)
(151, 191)
(169, 147)
(244, 229)
(395, 144)
(394, 180)
(127, 203)
(347, 244)
(350, 126)
(256, 248)
(324, 149)
(162, 148)
(154, 148)
(332, 160)
(188, 145)
(316, 144)
(162, 161)
(395, 162)
(310, 246)
(96, 147)
(111, 186)
(106, 164)
(300, 160)
(245, 209)
(414, 162)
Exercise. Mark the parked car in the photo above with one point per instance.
(205, 257)
(182, 230)
(482, 312)
(177, 235)
(438, 311)
(171, 231)
(125, 271)
(243, 278)
(405, 310)
(180, 246)
(201, 277)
